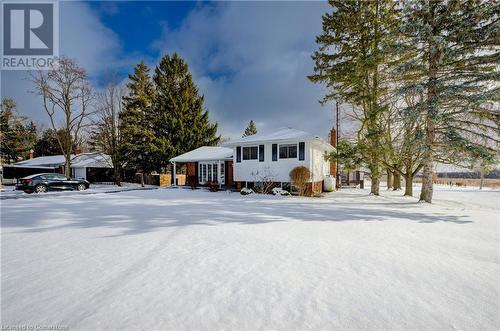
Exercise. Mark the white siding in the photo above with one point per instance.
(254, 171)
(79, 173)
(319, 166)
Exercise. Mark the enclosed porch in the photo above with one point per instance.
(206, 166)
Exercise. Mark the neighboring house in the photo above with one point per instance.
(263, 157)
(90, 166)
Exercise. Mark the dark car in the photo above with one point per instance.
(41, 183)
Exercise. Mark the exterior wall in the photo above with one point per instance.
(315, 187)
(278, 171)
(79, 173)
(319, 166)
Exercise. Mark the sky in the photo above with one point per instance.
(249, 59)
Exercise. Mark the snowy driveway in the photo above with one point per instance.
(194, 260)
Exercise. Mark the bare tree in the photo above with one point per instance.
(106, 134)
(66, 96)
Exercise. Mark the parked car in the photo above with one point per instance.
(41, 183)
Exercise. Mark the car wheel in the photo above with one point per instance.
(40, 189)
(81, 187)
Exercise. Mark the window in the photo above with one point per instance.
(208, 172)
(288, 151)
(238, 154)
(275, 152)
(261, 153)
(250, 153)
(302, 151)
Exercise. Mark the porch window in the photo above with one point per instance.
(261, 153)
(208, 172)
(288, 151)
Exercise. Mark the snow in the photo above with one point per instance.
(92, 160)
(279, 134)
(205, 153)
(54, 160)
(177, 259)
(9, 192)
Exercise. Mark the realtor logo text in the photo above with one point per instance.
(30, 35)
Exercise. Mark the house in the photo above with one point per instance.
(263, 157)
(94, 167)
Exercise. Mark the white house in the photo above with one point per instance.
(260, 157)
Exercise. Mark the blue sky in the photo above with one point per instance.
(249, 59)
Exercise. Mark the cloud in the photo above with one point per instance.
(251, 61)
(83, 37)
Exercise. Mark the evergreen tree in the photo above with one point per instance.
(16, 137)
(352, 62)
(448, 54)
(250, 130)
(180, 122)
(47, 144)
(136, 118)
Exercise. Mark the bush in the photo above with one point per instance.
(246, 191)
(280, 191)
(212, 186)
(300, 176)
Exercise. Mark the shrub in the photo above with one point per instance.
(280, 191)
(246, 191)
(212, 186)
(300, 176)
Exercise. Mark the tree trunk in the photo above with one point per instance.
(409, 184)
(142, 179)
(431, 115)
(390, 177)
(397, 181)
(375, 178)
(67, 166)
(426, 193)
(375, 185)
(481, 182)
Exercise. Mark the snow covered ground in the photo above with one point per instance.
(9, 192)
(175, 259)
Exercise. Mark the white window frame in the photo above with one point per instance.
(204, 175)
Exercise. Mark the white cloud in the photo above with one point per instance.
(83, 37)
(265, 50)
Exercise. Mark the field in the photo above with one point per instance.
(176, 259)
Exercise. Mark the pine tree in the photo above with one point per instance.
(47, 144)
(16, 137)
(352, 62)
(180, 122)
(250, 130)
(448, 54)
(136, 118)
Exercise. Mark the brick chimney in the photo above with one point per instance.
(333, 142)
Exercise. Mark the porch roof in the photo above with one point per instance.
(205, 153)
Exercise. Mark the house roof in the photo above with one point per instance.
(205, 153)
(280, 134)
(94, 160)
(54, 161)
